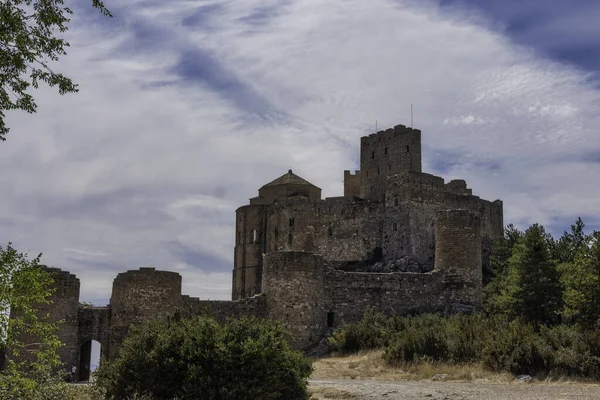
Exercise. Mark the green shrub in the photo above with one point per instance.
(497, 342)
(373, 331)
(198, 358)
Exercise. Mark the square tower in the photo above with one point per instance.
(387, 153)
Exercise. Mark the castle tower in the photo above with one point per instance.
(250, 242)
(139, 296)
(458, 255)
(63, 306)
(294, 286)
(251, 230)
(387, 153)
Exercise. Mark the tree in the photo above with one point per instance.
(527, 283)
(195, 358)
(31, 341)
(28, 44)
(539, 293)
(498, 294)
(566, 248)
(581, 280)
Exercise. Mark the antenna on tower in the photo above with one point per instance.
(375, 126)
(411, 116)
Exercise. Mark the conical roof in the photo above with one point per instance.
(289, 179)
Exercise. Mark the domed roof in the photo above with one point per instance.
(289, 179)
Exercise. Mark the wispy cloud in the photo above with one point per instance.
(187, 108)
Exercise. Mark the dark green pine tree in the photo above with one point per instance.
(539, 295)
(499, 293)
(565, 249)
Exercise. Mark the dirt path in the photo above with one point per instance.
(358, 389)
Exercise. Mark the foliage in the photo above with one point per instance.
(495, 341)
(31, 341)
(199, 358)
(528, 283)
(539, 296)
(372, 331)
(496, 296)
(581, 280)
(28, 44)
(565, 249)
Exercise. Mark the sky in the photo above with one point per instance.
(187, 107)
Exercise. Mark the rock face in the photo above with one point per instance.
(399, 241)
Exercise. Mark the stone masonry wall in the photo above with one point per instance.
(387, 153)
(339, 229)
(138, 296)
(458, 254)
(223, 310)
(351, 184)
(349, 294)
(294, 290)
(94, 324)
(249, 246)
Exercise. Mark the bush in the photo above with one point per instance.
(515, 347)
(495, 341)
(198, 358)
(371, 332)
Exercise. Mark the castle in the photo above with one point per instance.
(399, 240)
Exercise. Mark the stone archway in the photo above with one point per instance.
(89, 358)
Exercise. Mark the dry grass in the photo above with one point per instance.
(323, 393)
(370, 365)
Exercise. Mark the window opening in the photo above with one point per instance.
(330, 319)
(373, 155)
(291, 222)
(394, 227)
(407, 148)
(290, 239)
(254, 236)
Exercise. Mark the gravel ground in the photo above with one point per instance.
(412, 390)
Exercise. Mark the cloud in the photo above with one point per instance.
(187, 108)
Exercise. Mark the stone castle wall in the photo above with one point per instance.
(294, 288)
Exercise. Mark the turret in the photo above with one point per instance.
(139, 296)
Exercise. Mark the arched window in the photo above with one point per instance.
(373, 154)
(254, 236)
(291, 222)
(394, 227)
